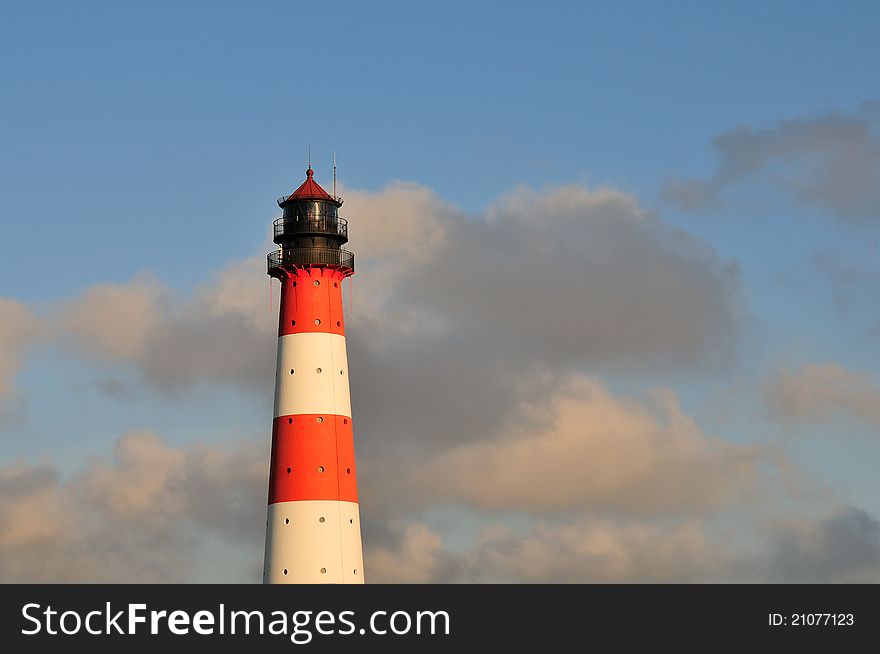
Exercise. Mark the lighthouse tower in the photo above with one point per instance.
(313, 532)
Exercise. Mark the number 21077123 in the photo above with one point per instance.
(810, 620)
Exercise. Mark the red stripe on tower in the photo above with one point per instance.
(313, 526)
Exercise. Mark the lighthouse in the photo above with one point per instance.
(313, 530)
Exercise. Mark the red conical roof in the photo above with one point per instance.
(310, 190)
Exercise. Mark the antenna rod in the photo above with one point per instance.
(334, 173)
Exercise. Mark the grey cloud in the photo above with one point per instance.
(831, 162)
(495, 310)
(571, 276)
(226, 350)
(821, 392)
(599, 551)
(410, 554)
(841, 548)
(114, 388)
(852, 277)
(217, 336)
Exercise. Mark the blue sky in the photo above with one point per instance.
(143, 116)
(156, 136)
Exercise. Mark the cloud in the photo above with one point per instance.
(19, 328)
(821, 392)
(142, 516)
(565, 275)
(152, 512)
(484, 313)
(850, 276)
(114, 388)
(599, 551)
(589, 449)
(831, 162)
(113, 321)
(841, 548)
(402, 223)
(582, 550)
(417, 556)
(222, 334)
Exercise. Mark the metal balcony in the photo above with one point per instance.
(304, 257)
(310, 224)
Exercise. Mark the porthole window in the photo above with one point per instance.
(348, 470)
(340, 372)
(335, 285)
(285, 572)
(345, 421)
(288, 471)
(319, 419)
(318, 370)
(355, 571)
(291, 371)
(290, 421)
(293, 283)
(287, 521)
(323, 571)
(338, 323)
(320, 468)
(317, 283)
(321, 519)
(317, 321)
(293, 323)
(351, 520)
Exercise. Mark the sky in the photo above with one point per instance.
(614, 320)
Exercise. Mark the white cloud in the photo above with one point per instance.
(589, 449)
